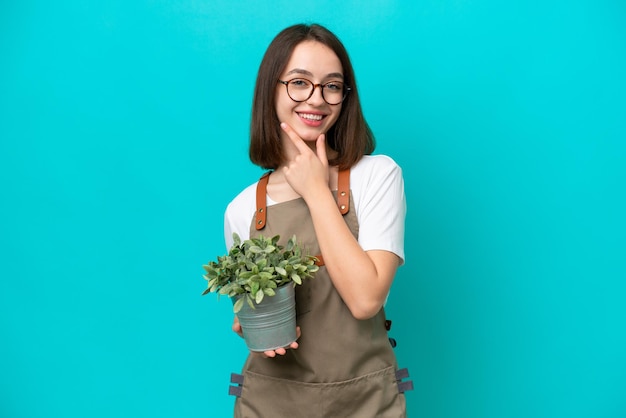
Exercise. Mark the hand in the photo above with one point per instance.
(308, 170)
(270, 353)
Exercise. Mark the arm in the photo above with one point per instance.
(362, 278)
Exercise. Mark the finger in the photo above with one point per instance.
(320, 145)
(237, 327)
(269, 353)
(295, 344)
(297, 141)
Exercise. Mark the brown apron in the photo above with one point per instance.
(343, 367)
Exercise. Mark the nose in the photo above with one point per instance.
(317, 97)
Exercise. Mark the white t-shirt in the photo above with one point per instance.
(377, 189)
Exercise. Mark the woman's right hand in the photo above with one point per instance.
(270, 353)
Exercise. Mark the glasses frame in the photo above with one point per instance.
(346, 90)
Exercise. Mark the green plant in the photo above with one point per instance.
(255, 267)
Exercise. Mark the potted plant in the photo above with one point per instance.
(259, 276)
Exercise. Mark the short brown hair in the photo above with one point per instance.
(350, 136)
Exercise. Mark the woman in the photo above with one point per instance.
(341, 203)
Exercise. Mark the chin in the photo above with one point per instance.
(310, 136)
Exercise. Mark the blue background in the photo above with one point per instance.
(123, 135)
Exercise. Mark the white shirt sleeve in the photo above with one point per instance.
(380, 203)
(239, 214)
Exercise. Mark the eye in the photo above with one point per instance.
(300, 83)
(334, 86)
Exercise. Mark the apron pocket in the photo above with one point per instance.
(374, 395)
(265, 397)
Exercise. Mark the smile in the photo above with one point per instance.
(311, 116)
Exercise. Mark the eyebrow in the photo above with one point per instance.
(305, 72)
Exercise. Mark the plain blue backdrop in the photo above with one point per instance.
(123, 135)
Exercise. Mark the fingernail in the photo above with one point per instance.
(283, 125)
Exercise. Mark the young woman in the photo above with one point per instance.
(341, 203)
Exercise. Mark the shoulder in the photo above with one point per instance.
(376, 179)
(374, 167)
(243, 200)
(239, 213)
(376, 162)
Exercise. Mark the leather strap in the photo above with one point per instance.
(343, 191)
(261, 201)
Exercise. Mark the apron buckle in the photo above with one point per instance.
(406, 385)
(235, 390)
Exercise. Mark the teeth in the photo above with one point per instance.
(310, 116)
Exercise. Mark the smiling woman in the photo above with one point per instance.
(341, 203)
(285, 61)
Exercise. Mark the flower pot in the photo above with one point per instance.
(272, 324)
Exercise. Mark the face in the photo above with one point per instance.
(319, 64)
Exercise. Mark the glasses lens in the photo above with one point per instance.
(333, 92)
(299, 89)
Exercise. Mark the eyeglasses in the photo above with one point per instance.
(301, 90)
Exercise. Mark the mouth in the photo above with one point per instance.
(315, 117)
(313, 120)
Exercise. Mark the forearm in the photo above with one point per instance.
(362, 278)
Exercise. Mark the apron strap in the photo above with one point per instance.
(343, 191)
(261, 201)
(343, 197)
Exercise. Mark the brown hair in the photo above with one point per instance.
(350, 136)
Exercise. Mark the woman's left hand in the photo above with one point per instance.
(307, 172)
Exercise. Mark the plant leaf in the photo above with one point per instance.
(259, 296)
(238, 305)
(256, 249)
(254, 288)
(249, 300)
(294, 259)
